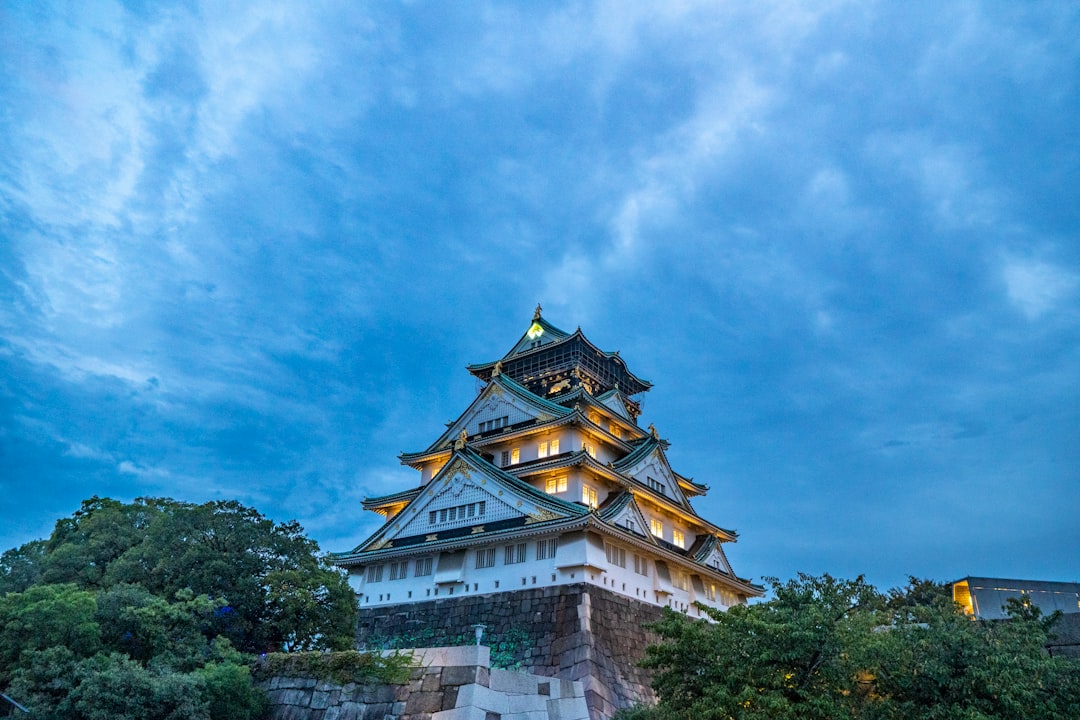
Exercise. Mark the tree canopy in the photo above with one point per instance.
(147, 609)
(838, 649)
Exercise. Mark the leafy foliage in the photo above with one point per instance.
(828, 648)
(339, 667)
(141, 610)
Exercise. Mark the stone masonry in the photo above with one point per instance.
(453, 683)
(574, 632)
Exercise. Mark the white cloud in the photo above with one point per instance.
(1037, 287)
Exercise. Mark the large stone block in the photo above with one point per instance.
(423, 702)
(482, 697)
(461, 713)
(568, 709)
(460, 675)
(508, 681)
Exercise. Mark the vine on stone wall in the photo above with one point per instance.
(338, 667)
(508, 649)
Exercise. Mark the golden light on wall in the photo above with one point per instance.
(961, 594)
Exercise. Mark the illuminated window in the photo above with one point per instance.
(555, 446)
(513, 554)
(594, 418)
(423, 567)
(656, 527)
(542, 450)
(485, 558)
(677, 538)
(589, 448)
(546, 549)
(615, 430)
(515, 456)
(588, 496)
(710, 591)
(556, 484)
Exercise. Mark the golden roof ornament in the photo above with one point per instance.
(654, 432)
(497, 370)
(536, 312)
(459, 444)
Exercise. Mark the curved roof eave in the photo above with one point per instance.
(511, 386)
(597, 522)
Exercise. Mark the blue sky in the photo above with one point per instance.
(246, 251)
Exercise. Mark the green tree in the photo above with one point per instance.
(228, 552)
(21, 567)
(137, 610)
(781, 659)
(43, 617)
(826, 648)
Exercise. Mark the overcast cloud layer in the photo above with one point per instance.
(246, 251)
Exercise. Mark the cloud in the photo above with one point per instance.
(1036, 287)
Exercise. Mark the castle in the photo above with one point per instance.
(546, 486)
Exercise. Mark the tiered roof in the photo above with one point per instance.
(550, 379)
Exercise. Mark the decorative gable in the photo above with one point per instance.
(653, 472)
(613, 400)
(712, 556)
(628, 516)
(467, 493)
(502, 403)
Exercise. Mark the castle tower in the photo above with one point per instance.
(547, 483)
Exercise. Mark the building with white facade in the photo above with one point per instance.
(547, 479)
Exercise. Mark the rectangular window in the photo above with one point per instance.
(399, 570)
(680, 579)
(458, 512)
(589, 448)
(423, 567)
(656, 527)
(513, 554)
(678, 538)
(485, 558)
(542, 450)
(641, 565)
(546, 549)
(374, 573)
(556, 484)
(588, 496)
(554, 445)
(515, 456)
(505, 458)
(615, 555)
(710, 591)
(655, 485)
(495, 424)
(615, 430)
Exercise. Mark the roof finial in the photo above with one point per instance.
(653, 431)
(497, 370)
(536, 312)
(459, 444)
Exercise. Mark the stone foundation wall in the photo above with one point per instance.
(455, 683)
(575, 632)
